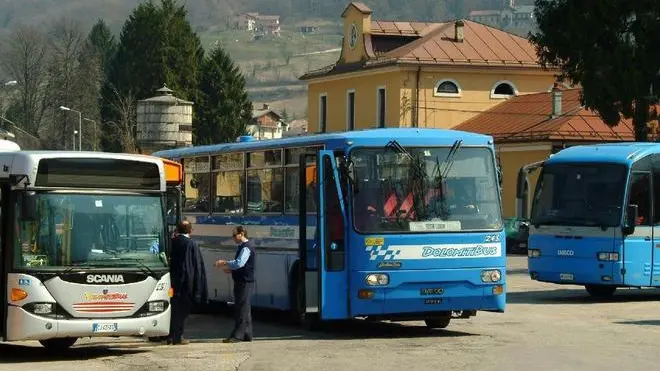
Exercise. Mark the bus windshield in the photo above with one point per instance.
(93, 230)
(580, 194)
(414, 189)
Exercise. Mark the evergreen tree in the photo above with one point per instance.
(224, 109)
(103, 43)
(610, 48)
(157, 46)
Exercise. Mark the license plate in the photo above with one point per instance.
(432, 301)
(566, 276)
(104, 327)
(431, 291)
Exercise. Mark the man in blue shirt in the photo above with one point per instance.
(242, 272)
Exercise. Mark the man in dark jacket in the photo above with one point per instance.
(242, 272)
(188, 279)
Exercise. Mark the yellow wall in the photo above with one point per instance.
(365, 86)
(512, 158)
(475, 96)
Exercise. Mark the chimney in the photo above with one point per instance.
(458, 31)
(266, 106)
(556, 100)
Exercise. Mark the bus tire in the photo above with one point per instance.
(600, 291)
(296, 294)
(437, 322)
(311, 322)
(58, 344)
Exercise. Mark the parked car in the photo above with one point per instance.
(517, 232)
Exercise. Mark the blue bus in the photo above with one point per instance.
(594, 220)
(387, 224)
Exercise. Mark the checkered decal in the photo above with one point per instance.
(382, 253)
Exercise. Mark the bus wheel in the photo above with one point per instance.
(311, 322)
(600, 291)
(297, 306)
(438, 322)
(58, 344)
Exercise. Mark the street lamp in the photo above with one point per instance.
(93, 122)
(63, 108)
(75, 132)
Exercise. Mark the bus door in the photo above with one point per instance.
(655, 191)
(326, 277)
(173, 198)
(638, 247)
(5, 246)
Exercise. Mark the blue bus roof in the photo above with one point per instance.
(621, 153)
(369, 137)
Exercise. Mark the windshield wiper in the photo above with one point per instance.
(145, 268)
(449, 161)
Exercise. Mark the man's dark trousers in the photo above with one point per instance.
(242, 310)
(181, 306)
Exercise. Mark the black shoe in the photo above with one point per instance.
(247, 338)
(231, 340)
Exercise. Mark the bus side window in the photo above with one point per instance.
(640, 195)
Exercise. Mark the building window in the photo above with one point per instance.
(323, 113)
(503, 90)
(380, 107)
(350, 110)
(447, 88)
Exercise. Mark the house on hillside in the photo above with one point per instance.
(528, 128)
(258, 23)
(418, 74)
(509, 16)
(266, 124)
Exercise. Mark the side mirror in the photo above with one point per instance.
(28, 206)
(632, 213)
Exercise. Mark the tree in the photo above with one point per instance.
(285, 115)
(103, 43)
(224, 109)
(610, 48)
(64, 83)
(157, 46)
(23, 58)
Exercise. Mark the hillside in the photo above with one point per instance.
(271, 64)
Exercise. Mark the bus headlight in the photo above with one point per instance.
(533, 253)
(608, 256)
(492, 275)
(377, 279)
(40, 308)
(156, 306)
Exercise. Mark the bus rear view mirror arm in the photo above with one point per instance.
(29, 206)
(632, 214)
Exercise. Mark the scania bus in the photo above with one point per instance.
(83, 246)
(595, 217)
(398, 224)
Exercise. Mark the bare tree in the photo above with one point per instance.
(66, 43)
(23, 58)
(125, 109)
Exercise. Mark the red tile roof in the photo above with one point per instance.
(529, 118)
(420, 43)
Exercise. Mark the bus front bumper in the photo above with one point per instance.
(23, 325)
(573, 271)
(424, 293)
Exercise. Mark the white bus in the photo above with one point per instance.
(83, 245)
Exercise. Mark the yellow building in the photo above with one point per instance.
(529, 128)
(415, 74)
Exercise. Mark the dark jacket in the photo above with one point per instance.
(187, 271)
(246, 272)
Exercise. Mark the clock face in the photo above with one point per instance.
(352, 36)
